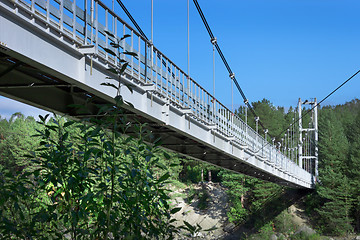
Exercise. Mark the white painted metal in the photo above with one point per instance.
(308, 150)
(300, 146)
(54, 35)
(316, 139)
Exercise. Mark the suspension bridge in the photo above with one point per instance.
(55, 53)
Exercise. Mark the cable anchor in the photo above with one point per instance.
(213, 40)
(232, 76)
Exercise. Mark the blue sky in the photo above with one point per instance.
(278, 49)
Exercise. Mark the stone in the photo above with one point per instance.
(281, 236)
(229, 227)
(273, 237)
(198, 235)
(357, 238)
(306, 230)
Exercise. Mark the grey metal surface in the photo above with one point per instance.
(52, 54)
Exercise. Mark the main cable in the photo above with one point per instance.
(316, 105)
(132, 19)
(231, 74)
(203, 19)
(216, 46)
(338, 87)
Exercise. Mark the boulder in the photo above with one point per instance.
(273, 237)
(281, 236)
(229, 227)
(357, 238)
(305, 230)
(198, 235)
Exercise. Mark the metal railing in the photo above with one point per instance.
(87, 25)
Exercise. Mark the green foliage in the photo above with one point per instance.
(203, 196)
(237, 212)
(199, 194)
(266, 231)
(88, 181)
(261, 192)
(334, 186)
(284, 224)
(193, 173)
(191, 194)
(335, 204)
(15, 141)
(236, 192)
(353, 170)
(170, 163)
(305, 236)
(17, 193)
(16, 202)
(177, 184)
(272, 117)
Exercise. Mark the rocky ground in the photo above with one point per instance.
(213, 216)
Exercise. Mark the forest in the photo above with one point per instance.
(72, 179)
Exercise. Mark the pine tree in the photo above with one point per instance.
(261, 192)
(16, 141)
(272, 117)
(237, 190)
(354, 169)
(334, 186)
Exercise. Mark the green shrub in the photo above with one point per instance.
(203, 199)
(283, 223)
(91, 180)
(305, 236)
(266, 231)
(237, 213)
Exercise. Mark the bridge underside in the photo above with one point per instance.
(30, 85)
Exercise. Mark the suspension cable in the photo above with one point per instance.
(216, 46)
(232, 97)
(141, 31)
(213, 42)
(318, 104)
(188, 38)
(315, 105)
(231, 74)
(152, 21)
(132, 19)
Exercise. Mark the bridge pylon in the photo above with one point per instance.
(308, 138)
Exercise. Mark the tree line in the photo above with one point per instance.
(60, 177)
